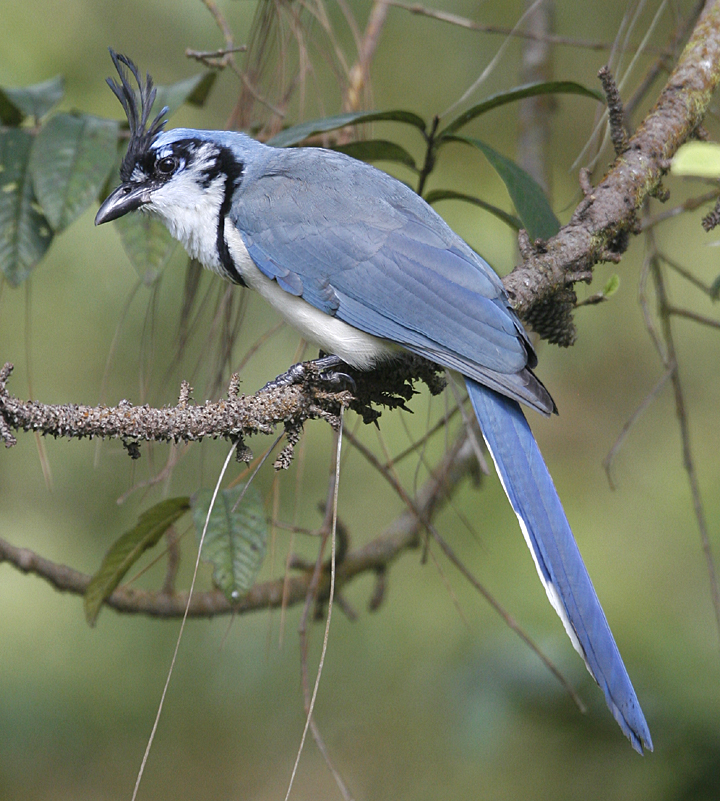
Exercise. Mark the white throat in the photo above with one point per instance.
(191, 215)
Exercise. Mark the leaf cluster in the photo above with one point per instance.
(235, 542)
(534, 212)
(53, 166)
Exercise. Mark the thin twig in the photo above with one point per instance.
(224, 27)
(359, 73)
(634, 417)
(163, 695)
(535, 113)
(688, 276)
(507, 617)
(688, 314)
(463, 22)
(661, 63)
(394, 482)
(207, 57)
(422, 441)
(493, 62)
(331, 511)
(671, 362)
(690, 204)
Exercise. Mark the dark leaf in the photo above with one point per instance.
(518, 93)
(30, 101)
(532, 206)
(125, 551)
(448, 194)
(113, 178)
(25, 234)
(235, 542)
(377, 150)
(298, 133)
(715, 289)
(147, 243)
(201, 92)
(192, 90)
(10, 114)
(71, 159)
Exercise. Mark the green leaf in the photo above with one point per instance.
(10, 114)
(25, 234)
(715, 289)
(70, 161)
(235, 542)
(611, 285)
(291, 136)
(125, 551)
(530, 202)
(30, 101)
(377, 150)
(519, 93)
(448, 194)
(147, 243)
(699, 159)
(192, 90)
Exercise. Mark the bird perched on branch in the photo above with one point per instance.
(361, 265)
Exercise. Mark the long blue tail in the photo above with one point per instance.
(533, 496)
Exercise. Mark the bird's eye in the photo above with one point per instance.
(167, 165)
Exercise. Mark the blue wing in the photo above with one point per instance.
(363, 247)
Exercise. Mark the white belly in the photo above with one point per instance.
(353, 346)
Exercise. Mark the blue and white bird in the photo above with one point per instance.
(361, 265)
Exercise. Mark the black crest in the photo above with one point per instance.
(137, 106)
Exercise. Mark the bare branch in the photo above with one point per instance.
(534, 113)
(601, 224)
(360, 71)
(636, 415)
(690, 204)
(463, 22)
(668, 354)
(374, 557)
(688, 314)
(616, 113)
(234, 418)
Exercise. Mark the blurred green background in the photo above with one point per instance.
(416, 701)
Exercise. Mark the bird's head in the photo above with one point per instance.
(161, 172)
(185, 177)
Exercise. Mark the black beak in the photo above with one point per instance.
(127, 197)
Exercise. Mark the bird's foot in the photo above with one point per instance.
(323, 369)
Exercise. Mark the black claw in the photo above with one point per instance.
(339, 378)
(292, 376)
(322, 369)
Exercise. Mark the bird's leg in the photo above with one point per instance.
(322, 368)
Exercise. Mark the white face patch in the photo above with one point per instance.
(189, 208)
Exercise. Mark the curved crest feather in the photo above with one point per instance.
(137, 107)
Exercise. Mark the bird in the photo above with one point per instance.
(363, 267)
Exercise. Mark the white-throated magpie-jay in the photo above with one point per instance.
(362, 266)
